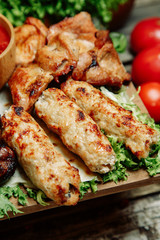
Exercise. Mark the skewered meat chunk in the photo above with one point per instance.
(77, 130)
(8, 162)
(45, 166)
(29, 38)
(112, 118)
(27, 84)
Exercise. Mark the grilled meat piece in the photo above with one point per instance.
(98, 62)
(79, 24)
(60, 56)
(43, 164)
(112, 118)
(29, 38)
(8, 162)
(27, 84)
(77, 130)
(101, 65)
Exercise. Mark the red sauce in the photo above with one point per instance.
(4, 39)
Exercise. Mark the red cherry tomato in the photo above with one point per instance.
(150, 95)
(145, 34)
(146, 66)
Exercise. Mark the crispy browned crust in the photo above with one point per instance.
(29, 38)
(27, 84)
(8, 162)
(101, 65)
(112, 118)
(79, 24)
(61, 54)
(46, 168)
(41, 28)
(60, 57)
(98, 62)
(74, 47)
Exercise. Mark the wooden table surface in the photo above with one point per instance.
(131, 215)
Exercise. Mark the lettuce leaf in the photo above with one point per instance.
(38, 196)
(85, 186)
(152, 162)
(6, 206)
(15, 191)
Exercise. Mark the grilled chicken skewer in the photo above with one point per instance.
(112, 118)
(46, 168)
(77, 130)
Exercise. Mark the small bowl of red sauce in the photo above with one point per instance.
(7, 50)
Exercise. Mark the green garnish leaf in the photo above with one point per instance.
(6, 205)
(41, 198)
(37, 195)
(152, 162)
(119, 173)
(85, 186)
(32, 193)
(119, 41)
(93, 185)
(22, 197)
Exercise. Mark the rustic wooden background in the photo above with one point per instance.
(131, 215)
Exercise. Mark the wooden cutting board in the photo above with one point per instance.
(135, 179)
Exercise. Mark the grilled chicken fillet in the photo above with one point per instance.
(30, 37)
(60, 56)
(98, 62)
(27, 83)
(112, 118)
(77, 130)
(46, 168)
